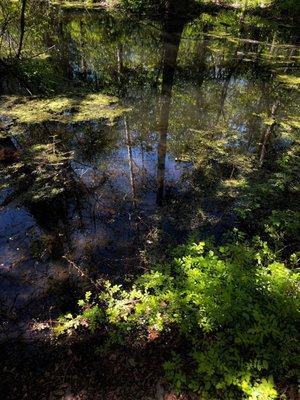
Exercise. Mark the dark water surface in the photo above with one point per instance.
(109, 181)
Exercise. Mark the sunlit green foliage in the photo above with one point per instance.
(235, 305)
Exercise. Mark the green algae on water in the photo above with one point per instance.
(289, 80)
(68, 108)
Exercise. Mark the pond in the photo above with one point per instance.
(146, 131)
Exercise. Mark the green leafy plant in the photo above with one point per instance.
(235, 307)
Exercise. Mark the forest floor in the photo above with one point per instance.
(71, 369)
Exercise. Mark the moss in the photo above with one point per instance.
(63, 109)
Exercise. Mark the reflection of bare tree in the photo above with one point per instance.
(171, 41)
(130, 161)
(202, 50)
(238, 57)
(84, 71)
(120, 61)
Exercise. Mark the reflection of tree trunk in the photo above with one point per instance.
(143, 163)
(83, 59)
(224, 94)
(201, 54)
(162, 148)
(65, 41)
(242, 16)
(22, 27)
(254, 124)
(120, 61)
(170, 48)
(288, 60)
(272, 48)
(267, 135)
(225, 88)
(130, 160)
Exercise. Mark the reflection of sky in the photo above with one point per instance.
(116, 166)
(23, 277)
(14, 226)
(124, 191)
(17, 229)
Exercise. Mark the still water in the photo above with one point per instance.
(147, 133)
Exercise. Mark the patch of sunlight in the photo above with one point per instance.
(77, 4)
(43, 56)
(48, 154)
(183, 158)
(64, 109)
(230, 187)
(234, 183)
(292, 122)
(290, 80)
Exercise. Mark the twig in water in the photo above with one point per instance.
(81, 272)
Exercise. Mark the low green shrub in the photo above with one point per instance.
(235, 307)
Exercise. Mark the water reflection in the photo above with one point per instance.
(171, 40)
(202, 109)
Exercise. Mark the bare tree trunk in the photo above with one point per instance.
(22, 28)
(267, 134)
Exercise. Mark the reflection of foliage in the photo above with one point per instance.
(214, 151)
(109, 46)
(236, 307)
(50, 172)
(40, 173)
(41, 74)
(38, 18)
